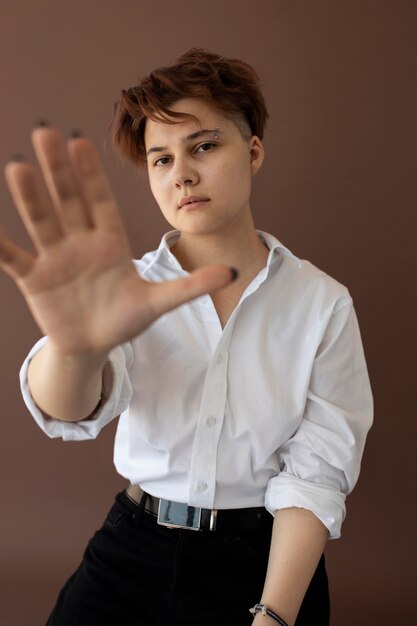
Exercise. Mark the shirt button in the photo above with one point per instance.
(211, 420)
(201, 485)
(220, 358)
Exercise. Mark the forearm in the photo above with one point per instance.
(64, 387)
(297, 543)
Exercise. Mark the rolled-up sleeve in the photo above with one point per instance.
(116, 395)
(320, 463)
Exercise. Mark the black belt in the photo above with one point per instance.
(180, 515)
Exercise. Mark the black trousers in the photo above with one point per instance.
(137, 573)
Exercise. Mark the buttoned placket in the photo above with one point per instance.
(203, 469)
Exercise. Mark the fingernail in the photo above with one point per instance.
(42, 123)
(74, 134)
(17, 158)
(234, 272)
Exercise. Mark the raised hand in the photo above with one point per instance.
(81, 285)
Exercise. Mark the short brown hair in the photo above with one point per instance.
(230, 85)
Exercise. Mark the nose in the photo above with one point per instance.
(184, 174)
(184, 180)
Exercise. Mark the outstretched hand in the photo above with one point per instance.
(81, 285)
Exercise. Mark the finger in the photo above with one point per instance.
(168, 295)
(50, 149)
(14, 260)
(95, 187)
(33, 204)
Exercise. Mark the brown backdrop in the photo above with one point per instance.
(337, 187)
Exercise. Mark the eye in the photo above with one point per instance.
(205, 147)
(161, 161)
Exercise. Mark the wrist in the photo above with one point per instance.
(263, 620)
(262, 612)
(66, 387)
(86, 359)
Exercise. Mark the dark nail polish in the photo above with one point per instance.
(234, 272)
(74, 134)
(42, 123)
(17, 158)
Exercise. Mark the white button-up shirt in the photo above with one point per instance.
(272, 410)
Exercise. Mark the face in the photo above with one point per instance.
(208, 162)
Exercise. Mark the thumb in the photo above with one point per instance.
(164, 297)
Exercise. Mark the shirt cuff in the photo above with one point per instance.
(327, 503)
(116, 395)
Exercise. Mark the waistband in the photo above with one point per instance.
(182, 516)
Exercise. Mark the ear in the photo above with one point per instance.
(257, 154)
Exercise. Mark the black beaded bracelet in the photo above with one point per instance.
(262, 608)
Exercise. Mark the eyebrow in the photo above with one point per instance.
(195, 135)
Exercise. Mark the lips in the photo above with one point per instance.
(191, 199)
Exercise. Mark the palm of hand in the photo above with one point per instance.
(82, 287)
(86, 295)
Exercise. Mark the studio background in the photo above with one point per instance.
(337, 187)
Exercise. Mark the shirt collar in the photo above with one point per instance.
(275, 245)
(170, 238)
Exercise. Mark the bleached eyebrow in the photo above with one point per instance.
(195, 135)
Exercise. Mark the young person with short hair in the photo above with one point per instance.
(236, 368)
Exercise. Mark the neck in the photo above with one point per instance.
(240, 247)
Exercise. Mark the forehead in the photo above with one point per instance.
(208, 117)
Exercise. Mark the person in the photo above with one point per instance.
(236, 368)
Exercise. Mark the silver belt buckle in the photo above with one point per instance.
(181, 515)
(178, 515)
